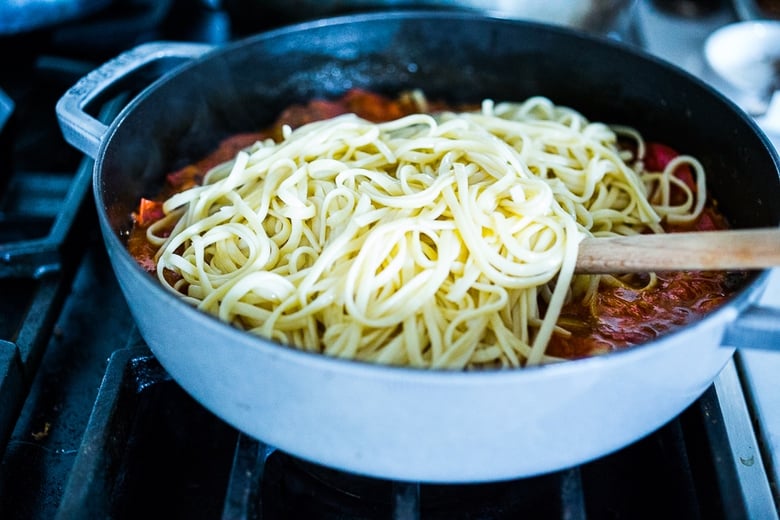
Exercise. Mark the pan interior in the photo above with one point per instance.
(458, 58)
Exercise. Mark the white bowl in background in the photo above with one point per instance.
(747, 55)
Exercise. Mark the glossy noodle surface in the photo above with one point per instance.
(406, 232)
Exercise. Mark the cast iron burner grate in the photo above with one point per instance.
(140, 454)
(43, 230)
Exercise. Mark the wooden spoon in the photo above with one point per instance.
(697, 251)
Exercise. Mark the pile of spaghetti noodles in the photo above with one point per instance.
(437, 241)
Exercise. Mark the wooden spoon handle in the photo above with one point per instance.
(700, 251)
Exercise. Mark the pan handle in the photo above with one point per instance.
(82, 130)
(757, 327)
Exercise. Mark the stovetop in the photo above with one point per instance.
(92, 427)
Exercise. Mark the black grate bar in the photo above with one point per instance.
(37, 257)
(243, 500)
(753, 494)
(41, 256)
(406, 501)
(572, 495)
(11, 390)
(21, 357)
(88, 489)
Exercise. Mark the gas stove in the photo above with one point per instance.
(91, 426)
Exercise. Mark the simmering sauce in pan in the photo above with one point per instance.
(626, 312)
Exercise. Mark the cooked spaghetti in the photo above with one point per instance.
(442, 240)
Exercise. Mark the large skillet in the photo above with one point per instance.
(405, 423)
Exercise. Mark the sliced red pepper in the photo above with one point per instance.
(148, 211)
